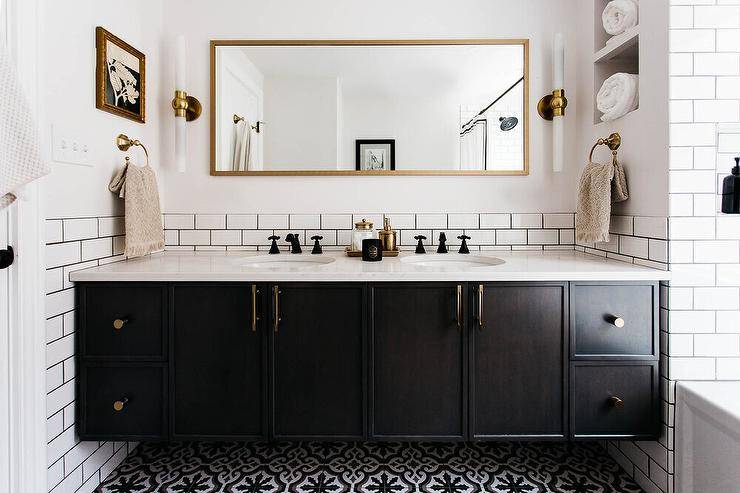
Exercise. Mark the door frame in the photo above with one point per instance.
(24, 412)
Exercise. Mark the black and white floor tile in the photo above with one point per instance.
(380, 467)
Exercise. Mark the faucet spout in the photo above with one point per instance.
(295, 243)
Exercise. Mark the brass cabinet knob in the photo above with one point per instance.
(119, 405)
(616, 321)
(119, 323)
(616, 401)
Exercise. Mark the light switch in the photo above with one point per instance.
(69, 147)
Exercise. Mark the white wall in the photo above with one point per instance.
(68, 98)
(300, 122)
(540, 191)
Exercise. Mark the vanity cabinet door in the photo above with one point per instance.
(418, 361)
(318, 362)
(518, 362)
(218, 360)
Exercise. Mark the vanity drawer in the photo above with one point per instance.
(614, 400)
(614, 320)
(122, 402)
(123, 321)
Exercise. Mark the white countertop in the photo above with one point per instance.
(230, 266)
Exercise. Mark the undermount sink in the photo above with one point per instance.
(275, 262)
(451, 261)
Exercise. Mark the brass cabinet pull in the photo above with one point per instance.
(276, 294)
(616, 401)
(119, 323)
(480, 306)
(255, 317)
(459, 306)
(616, 321)
(119, 405)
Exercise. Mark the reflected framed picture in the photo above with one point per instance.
(120, 85)
(375, 155)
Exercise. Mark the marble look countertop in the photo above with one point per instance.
(245, 266)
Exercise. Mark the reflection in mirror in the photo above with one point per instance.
(398, 108)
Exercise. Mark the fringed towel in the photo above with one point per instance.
(20, 160)
(137, 185)
(600, 186)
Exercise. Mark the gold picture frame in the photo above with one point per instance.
(120, 77)
(215, 43)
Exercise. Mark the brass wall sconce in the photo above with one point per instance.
(187, 108)
(552, 105)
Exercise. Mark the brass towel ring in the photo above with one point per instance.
(613, 142)
(124, 143)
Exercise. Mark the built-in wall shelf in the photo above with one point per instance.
(626, 45)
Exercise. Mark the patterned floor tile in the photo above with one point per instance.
(380, 467)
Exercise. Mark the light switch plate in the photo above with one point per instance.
(69, 147)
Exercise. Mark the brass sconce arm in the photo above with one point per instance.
(186, 106)
(552, 105)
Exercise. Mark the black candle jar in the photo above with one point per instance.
(372, 250)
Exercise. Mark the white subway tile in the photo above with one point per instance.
(526, 220)
(93, 463)
(53, 230)
(179, 221)
(567, 236)
(62, 254)
(717, 345)
(717, 251)
(680, 64)
(495, 221)
(681, 344)
(111, 226)
(375, 219)
(691, 275)
(658, 250)
(195, 237)
(728, 321)
(431, 221)
(241, 221)
(54, 329)
(633, 246)
(691, 181)
(171, 237)
(54, 378)
(226, 237)
(691, 88)
(635, 454)
(720, 110)
(691, 40)
(692, 134)
(256, 237)
(98, 248)
(54, 280)
(71, 483)
(78, 229)
(691, 322)
(305, 221)
(716, 63)
(610, 246)
(272, 221)
(718, 298)
(60, 445)
(55, 474)
(729, 142)
(59, 350)
(480, 237)
(622, 225)
(681, 17)
(651, 227)
(58, 398)
(558, 220)
(728, 227)
(728, 39)
(728, 275)
(705, 205)
(464, 221)
(119, 245)
(691, 228)
(70, 413)
(400, 221)
(59, 302)
(336, 221)
(78, 454)
(728, 87)
(691, 369)
(329, 237)
(407, 237)
(511, 237)
(717, 17)
(681, 158)
(210, 221)
(728, 368)
(542, 236)
(344, 238)
(680, 204)
(681, 111)
(705, 158)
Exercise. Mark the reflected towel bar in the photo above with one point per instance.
(256, 127)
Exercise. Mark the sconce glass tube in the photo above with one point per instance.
(181, 143)
(558, 76)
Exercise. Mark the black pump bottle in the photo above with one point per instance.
(731, 190)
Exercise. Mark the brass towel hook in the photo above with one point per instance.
(613, 142)
(257, 127)
(124, 143)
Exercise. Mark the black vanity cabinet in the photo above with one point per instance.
(440, 361)
(318, 361)
(219, 379)
(518, 361)
(419, 374)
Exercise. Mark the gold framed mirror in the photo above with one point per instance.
(369, 107)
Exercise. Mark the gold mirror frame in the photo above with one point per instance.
(367, 42)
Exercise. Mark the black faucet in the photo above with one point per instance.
(442, 248)
(274, 247)
(420, 245)
(464, 246)
(295, 243)
(316, 245)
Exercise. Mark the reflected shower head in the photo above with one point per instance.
(508, 123)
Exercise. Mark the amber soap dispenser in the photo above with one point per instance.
(731, 190)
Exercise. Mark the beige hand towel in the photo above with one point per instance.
(20, 160)
(138, 186)
(600, 186)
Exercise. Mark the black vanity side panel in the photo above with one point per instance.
(518, 363)
(418, 362)
(218, 363)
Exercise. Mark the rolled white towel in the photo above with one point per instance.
(619, 95)
(620, 15)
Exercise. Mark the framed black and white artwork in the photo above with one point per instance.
(375, 155)
(120, 85)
